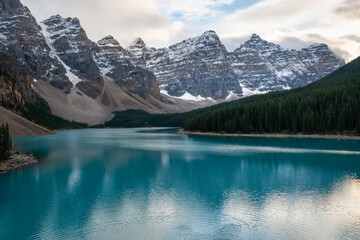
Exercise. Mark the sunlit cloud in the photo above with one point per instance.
(297, 24)
(192, 9)
(350, 9)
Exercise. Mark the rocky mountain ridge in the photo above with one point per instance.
(112, 61)
(87, 81)
(201, 67)
(57, 50)
(262, 66)
(20, 36)
(70, 45)
(196, 66)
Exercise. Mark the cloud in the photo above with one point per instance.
(153, 20)
(350, 9)
(293, 42)
(233, 41)
(352, 38)
(292, 24)
(342, 53)
(279, 13)
(192, 9)
(342, 47)
(125, 19)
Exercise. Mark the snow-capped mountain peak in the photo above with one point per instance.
(260, 45)
(108, 41)
(138, 42)
(71, 45)
(138, 50)
(255, 37)
(195, 66)
(201, 66)
(209, 36)
(318, 45)
(263, 66)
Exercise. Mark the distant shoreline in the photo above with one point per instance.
(275, 135)
(17, 160)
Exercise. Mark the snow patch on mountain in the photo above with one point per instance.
(188, 97)
(249, 92)
(68, 28)
(72, 77)
(103, 63)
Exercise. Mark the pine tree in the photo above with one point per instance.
(5, 142)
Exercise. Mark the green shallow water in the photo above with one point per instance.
(156, 184)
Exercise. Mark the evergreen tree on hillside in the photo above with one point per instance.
(5, 142)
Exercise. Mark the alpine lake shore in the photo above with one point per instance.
(275, 135)
(20, 160)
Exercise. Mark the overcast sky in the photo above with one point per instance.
(160, 23)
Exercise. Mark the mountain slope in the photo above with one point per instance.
(17, 95)
(329, 105)
(21, 127)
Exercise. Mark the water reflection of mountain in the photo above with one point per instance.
(87, 183)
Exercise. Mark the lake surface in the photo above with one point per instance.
(156, 184)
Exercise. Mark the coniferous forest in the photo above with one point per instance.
(330, 105)
(5, 142)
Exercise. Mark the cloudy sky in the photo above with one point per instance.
(160, 23)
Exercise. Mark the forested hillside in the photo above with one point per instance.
(16, 94)
(330, 105)
(139, 118)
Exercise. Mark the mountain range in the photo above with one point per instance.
(86, 81)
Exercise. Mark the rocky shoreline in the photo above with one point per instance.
(276, 135)
(17, 160)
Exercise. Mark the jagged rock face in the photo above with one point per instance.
(112, 61)
(59, 51)
(197, 66)
(15, 82)
(262, 66)
(139, 52)
(21, 37)
(202, 66)
(108, 40)
(71, 44)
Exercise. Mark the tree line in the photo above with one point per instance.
(331, 105)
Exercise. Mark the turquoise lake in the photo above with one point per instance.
(157, 184)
